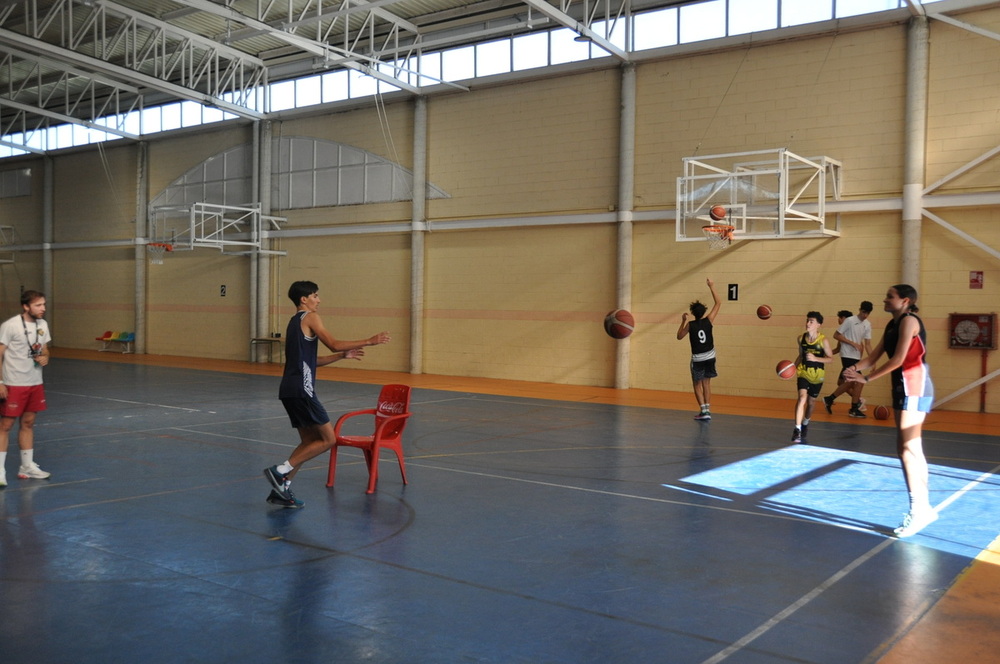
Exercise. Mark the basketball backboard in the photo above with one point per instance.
(767, 194)
(230, 229)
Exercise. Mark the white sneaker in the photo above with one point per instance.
(3, 477)
(32, 472)
(913, 523)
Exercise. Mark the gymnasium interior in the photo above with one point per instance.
(487, 181)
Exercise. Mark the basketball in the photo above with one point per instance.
(785, 370)
(717, 213)
(619, 324)
(881, 413)
(763, 312)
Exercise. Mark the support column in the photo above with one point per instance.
(260, 269)
(142, 234)
(48, 222)
(418, 226)
(626, 188)
(917, 58)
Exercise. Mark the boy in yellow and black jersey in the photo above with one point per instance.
(810, 364)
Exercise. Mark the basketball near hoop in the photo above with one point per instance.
(157, 250)
(717, 213)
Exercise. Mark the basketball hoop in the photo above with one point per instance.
(719, 236)
(156, 251)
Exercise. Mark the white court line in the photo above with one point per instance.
(802, 601)
(136, 403)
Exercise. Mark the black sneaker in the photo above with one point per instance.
(805, 430)
(797, 435)
(291, 502)
(277, 480)
(828, 402)
(854, 412)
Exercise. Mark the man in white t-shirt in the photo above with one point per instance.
(855, 337)
(24, 350)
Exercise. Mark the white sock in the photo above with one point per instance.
(285, 468)
(919, 505)
(805, 423)
(3, 460)
(704, 407)
(27, 457)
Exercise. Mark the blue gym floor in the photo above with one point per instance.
(531, 531)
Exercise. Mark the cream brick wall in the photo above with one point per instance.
(524, 304)
(93, 291)
(841, 97)
(535, 148)
(23, 213)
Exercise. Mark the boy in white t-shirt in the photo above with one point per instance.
(855, 337)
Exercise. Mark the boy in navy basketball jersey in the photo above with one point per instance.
(298, 386)
(702, 350)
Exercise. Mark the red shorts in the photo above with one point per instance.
(23, 399)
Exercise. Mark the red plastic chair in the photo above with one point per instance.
(391, 414)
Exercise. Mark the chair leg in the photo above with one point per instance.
(402, 466)
(372, 469)
(332, 471)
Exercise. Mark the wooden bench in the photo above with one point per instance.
(117, 341)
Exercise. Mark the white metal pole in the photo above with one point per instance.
(916, 146)
(142, 232)
(626, 188)
(417, 224)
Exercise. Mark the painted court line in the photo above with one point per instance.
(135, 403)
(801, 602)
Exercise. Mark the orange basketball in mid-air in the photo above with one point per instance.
(717, 213)
(619, 324)
(785, 369)
(763, 312)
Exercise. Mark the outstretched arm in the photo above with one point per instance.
(315, 326)
(355, 354)
(715, 298)
(908, 329)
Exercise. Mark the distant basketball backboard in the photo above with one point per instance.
(230, 229)
(767, 194)
(8, 238)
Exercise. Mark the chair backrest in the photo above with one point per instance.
(107, 334)
(393, 400)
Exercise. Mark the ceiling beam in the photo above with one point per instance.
(125, 74)
(583, 30)
(330, 54)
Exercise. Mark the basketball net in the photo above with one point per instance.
(719, 236)
(156, 251)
